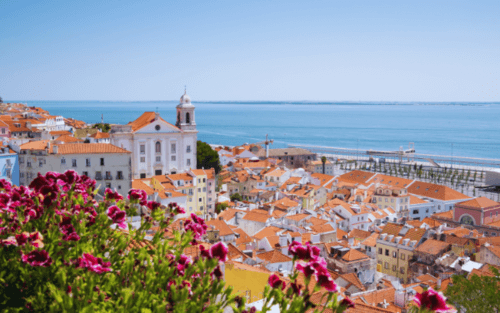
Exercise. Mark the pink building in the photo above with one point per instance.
(479, 211)
(4, 129)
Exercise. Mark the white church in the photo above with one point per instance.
(158, 147)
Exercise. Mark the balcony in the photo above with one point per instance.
(98, 177)
(108, 177)
(119, 176)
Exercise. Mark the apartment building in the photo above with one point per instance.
(109, 165)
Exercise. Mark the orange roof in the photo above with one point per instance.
(100, 135)
(229, 213)
(298, 217)
(139, 184)
(340, 234)
(356, 176)
(35, 145)
(88, 148)
(267, 231)
(462, 232)
(377, 296)
(415, 223)
(479, 203)
(431, 246)
(323, 178)
(353, 279)
(235, 253)
(181, 176)
(392, 229)
(274, 256)
(221, 226)
(432, 223)
(145, 119)
(359, 234)
(447, 215)
(60, 132)
(371, 241)
(491, 240)
(68, 138)
(391, 181)
(495, 250)
(354, 255)
(435, 191)
(284, 203)
(244, 237)
(416, 200)
(325, 228)
(317, 221)
(257, 217)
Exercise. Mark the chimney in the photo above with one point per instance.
(271, 210)
(157, 116)
(55, 149)
(221, 218)
(236, 218)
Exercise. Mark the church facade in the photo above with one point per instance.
(158, 147)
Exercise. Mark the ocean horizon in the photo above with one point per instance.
(469, 129)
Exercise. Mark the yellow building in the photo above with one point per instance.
(390, 196)
(246, 280)
(395, 247)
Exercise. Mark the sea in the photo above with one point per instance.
(461, 129)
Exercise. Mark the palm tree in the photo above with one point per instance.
(323, 160)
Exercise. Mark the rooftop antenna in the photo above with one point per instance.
(156, 109)
(184, 89)
(102, 118)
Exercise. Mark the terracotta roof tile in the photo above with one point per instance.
(229, 213)
(433, 247)
(274, 256)
(267, 231)
(145, 119)
(139, 184)
(256, 217)
(371, 241)
(354, 255)
(359, 234)
(416, 200)
(435, 191)
(88, 148)
(298, 217)
(320, 229)
(356, 176)
(479, 203)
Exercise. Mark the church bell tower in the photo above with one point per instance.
(185, 114)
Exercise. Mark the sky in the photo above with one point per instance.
(250, 50)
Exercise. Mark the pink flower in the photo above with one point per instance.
(346, 302)
(68, 290)
(94, 264)
(217, 273)
(326, 281)
(176, 209)
(112, 195)
(137, 194)
(37, 258)
(197, 226)
(153, 205)
(5, 185)
(305, 253)
(431, 300)
(219, 250)
(71, 237)
(11, 241)
(306, 269)
(22, 239)
(118, 216)
(296, 288)
(275, 282)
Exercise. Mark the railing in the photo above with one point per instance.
(108, 177)
(98, 177)
(119, 177)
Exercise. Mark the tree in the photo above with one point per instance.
(220, 207)
(206, 157)
(476, 293)
(102, 127)
(236, 197)
(323, 161)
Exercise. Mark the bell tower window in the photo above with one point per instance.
(158, 147)
(187, 118)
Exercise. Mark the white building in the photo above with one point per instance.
(157, 146)
(107, 164)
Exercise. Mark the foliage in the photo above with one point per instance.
(206, 157)
(102, 127)
(476, 293)
(236, 197)
(220, 207)
(62, 251)
(323, 160)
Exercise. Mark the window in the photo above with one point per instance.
(402, 270)
(190, 208)
(143, 175)
(21, 174)
(172, 148)
(158, 147)
(21, 160)
(394, 268)
(402, 256)
(199, 180)
(108, 175)
(188, 149)
(158, 172)
(188, 120)
(143, 159)
(386, 265)
(199, 189)
(380, 251)
(387, 252)
(102, 161)
(3, 130)
(415, 211)
(108, 185)
(204, 180)
(394, 254)
(63, 161)
(119, 175)
(28, 163)
(188, 162)
(199, 200)
(172, 158)
(158, 159)
(204, 189)
(392, 200)
(119, 187)
(386, 200)
(40, 162)
(143, 149)
(98, 175)
(85, 173)
(190, 192)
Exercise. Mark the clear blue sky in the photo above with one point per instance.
(250, 50)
